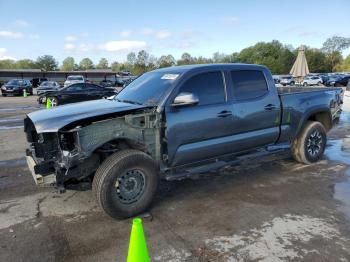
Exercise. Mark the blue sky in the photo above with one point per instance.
(111, 29)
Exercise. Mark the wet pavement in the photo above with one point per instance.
(272, 209)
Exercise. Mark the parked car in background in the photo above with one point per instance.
(47, 86)
(77, 93)
(287, 81)
(107, 83)
(16, 87)
(312, 80)
(331, 80)
(74, 79)
(38, 81)
(343, 81)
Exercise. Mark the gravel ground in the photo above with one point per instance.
(272, 209)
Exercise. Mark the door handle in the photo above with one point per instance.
(224, 113)
(270, 107)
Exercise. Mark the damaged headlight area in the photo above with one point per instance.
(54, 158)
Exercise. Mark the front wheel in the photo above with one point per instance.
(125, 184)
(308, 147)
(305, 84)
(292, 83)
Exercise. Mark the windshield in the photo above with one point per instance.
(147, 89)
(74, 78)
(14, 82)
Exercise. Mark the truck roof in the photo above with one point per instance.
(186, 68)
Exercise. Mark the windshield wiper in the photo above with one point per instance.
(129, 101)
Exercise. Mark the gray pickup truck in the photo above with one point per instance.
(171, 123)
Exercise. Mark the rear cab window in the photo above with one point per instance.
(248, 84)
(209, 87)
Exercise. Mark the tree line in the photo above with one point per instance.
(278, 57)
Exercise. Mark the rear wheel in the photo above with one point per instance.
(3, 94)
(125, 184)
(319, 83)
(308, 147)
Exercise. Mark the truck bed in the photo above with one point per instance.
(293, 89)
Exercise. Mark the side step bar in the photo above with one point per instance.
(186, 171)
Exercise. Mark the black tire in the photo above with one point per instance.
(292, 83)
(305, 84)
(308, 147)
(3, 94)
(319, 83)
(113, 176)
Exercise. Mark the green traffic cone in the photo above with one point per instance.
(25, 93)
(137, 246)
(48, 103)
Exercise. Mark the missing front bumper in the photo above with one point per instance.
(40, 180)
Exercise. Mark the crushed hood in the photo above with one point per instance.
(51, 120)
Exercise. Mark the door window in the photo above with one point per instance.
(75, 87)
(248, 84)
(209, 87)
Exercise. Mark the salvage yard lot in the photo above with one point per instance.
(272, 209)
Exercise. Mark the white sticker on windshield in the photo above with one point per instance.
(170, 76)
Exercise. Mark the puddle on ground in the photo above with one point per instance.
(10, 120)
(13, 162)
(19, 108)
(339, 150)
(10, 127)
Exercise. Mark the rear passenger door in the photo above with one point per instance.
(200, 131)
(256, 110)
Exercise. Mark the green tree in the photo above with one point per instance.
(142, 61)
(25, 64)
(115, 66)
(7, 64)
(316, 60)
(86, 64)
(333, 47)
(102, 64)
(68, 64)
(46, 63)
(344, 66)
(186, 59)
(277, 57)
(131, 58)
(166, 61)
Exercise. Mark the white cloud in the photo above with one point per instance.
(3, 54)
(115, 46)
(147, 31)
(83, 48)
(11, 34)
(69, 47)
(125, 33)
(231, 19)
(76, 48)
(34, 36)
(163, 34)
(71, 38)
(21, 23)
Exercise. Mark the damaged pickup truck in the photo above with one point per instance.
(174, 122)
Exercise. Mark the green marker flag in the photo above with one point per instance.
(137, 246)
(48, 103)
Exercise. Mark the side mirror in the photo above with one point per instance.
(185, 99)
